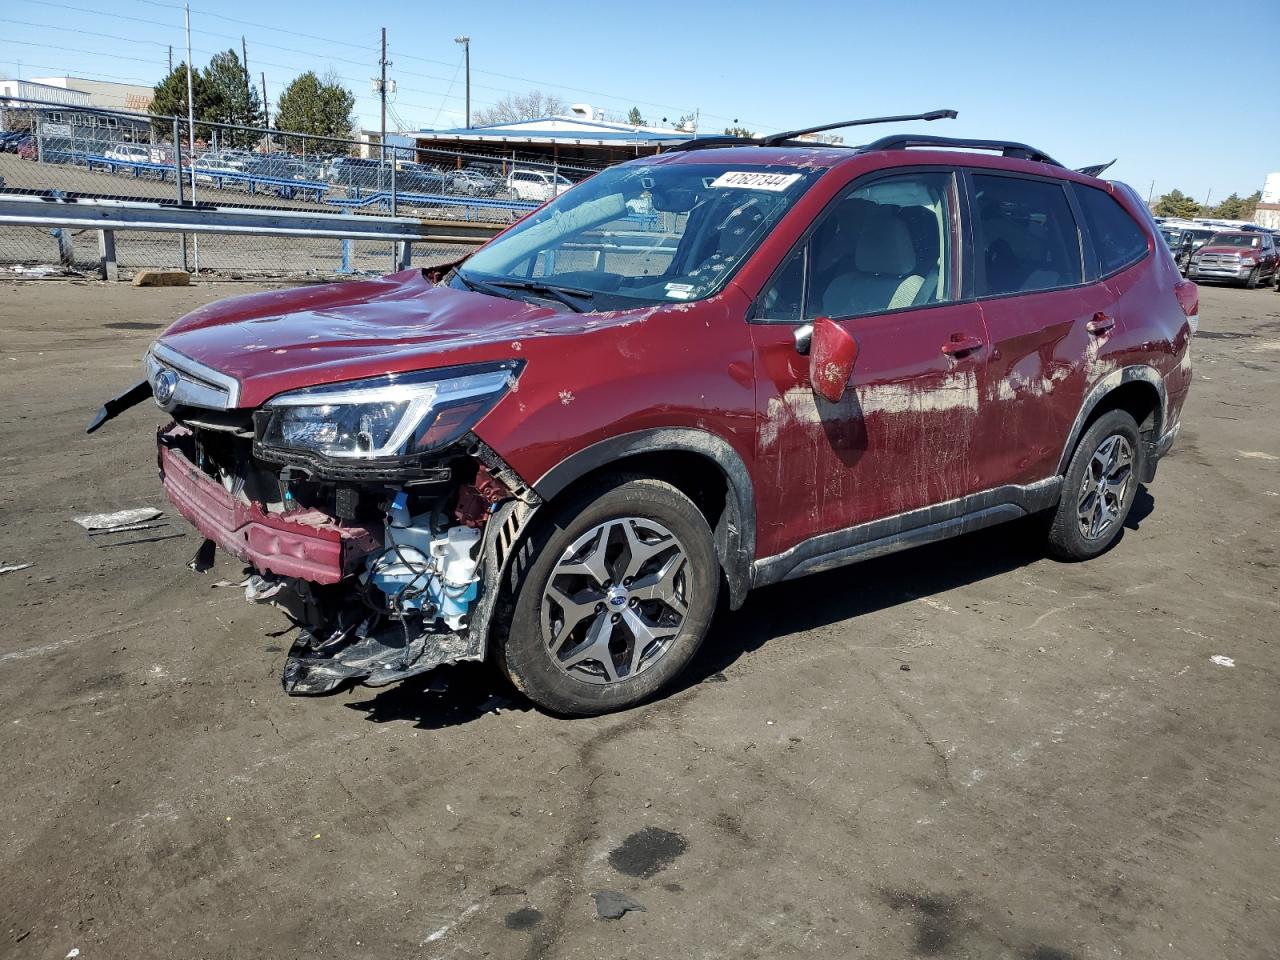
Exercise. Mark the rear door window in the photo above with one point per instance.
(1025, 236)
(1117, 240)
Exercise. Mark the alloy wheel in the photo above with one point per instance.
(616, 600)
(1103, 498)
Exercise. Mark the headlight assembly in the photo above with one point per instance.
(395, 415)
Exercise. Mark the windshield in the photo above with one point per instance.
(634, 235)
(1236, 240)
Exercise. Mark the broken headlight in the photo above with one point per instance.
(389, 416)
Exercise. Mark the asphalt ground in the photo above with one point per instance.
(967, 750)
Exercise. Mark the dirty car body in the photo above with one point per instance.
(713, 369)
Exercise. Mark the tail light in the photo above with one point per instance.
(1188, 295)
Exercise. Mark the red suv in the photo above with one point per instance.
(692, 375)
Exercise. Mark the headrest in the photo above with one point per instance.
(884, 246)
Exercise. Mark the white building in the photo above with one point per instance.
(1268, 212)
(34, 90)
(102, 93)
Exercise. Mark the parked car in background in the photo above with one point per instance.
(1247, 257)
(539, 185)
(210, 169)
(359, 172)
(129, 153)
(472, 183)
(419, 178)
(10, 140)
(829, 355)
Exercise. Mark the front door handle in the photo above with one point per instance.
(1100, 324)
(960, 344)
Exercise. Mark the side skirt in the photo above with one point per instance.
(906, 530)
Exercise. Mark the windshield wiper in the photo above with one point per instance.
(499, 288)
(565, 295)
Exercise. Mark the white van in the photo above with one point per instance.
(536, 185)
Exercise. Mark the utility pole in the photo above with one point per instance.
(466, 51)
(382, 91)
(171, 58)
(1206, 198)
(191, 128)
(266, 110)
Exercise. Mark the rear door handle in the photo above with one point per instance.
(1100, 324)
(959, 345)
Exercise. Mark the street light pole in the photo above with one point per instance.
(466, 50)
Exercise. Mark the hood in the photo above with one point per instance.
(1228, 248)
(282, 340)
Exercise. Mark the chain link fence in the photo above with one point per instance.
(54, 150)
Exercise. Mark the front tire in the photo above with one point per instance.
(1252, 282)
(1099, 488)
(614, 598)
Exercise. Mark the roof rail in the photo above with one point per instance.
(788, 139)
(1007, 148)
(709, 143)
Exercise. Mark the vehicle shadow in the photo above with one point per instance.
(461, 693)
(448, 696)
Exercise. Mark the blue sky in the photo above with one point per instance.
(1083, 86)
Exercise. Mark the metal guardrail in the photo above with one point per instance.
(108, 216)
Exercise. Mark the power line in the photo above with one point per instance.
(310, 54)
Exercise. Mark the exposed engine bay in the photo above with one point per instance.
(386, 572)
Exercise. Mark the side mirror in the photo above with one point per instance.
(831, 357)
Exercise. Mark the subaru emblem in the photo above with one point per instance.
(165, 386)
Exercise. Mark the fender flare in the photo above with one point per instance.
(1098, 392)
(734, 535)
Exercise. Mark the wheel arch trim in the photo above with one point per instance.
(734, 537)
(1134, 373)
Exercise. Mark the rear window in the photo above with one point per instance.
(1117, 240)
(1025, 234)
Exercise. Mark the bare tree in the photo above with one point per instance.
(518, 106)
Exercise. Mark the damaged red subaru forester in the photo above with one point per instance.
(694, 374)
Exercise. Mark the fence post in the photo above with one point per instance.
(345, 266)
(107, 251)
(177, 178)
(66, 255)
(403, 254)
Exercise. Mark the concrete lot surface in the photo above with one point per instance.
(1062, 772)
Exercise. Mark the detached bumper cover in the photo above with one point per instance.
(306, 544)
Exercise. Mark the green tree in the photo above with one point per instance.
(170, 100)
(319, 108)
(1236, 208)
(1175, 203)
(634, 117)
(737, 131)
(232, 99)
(1232, 208)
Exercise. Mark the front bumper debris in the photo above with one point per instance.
(319, 665)
(306, 544)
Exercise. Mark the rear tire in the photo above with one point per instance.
(1098, 490)
(611, 598)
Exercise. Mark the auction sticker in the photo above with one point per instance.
(752, 180)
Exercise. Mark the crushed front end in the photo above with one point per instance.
(367, 510)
